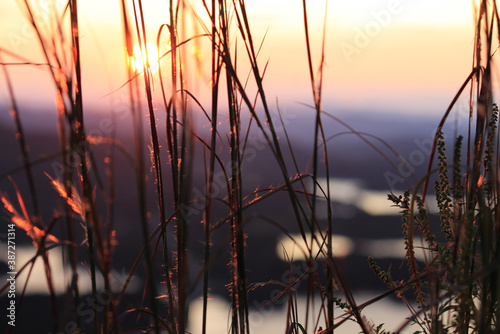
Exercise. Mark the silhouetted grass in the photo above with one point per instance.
(460, 274)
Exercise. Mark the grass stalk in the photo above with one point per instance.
(166, 257)
(140, 168)
(182, 169)
(207, 217)
(80, 146)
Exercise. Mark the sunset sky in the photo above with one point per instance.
(399, 56)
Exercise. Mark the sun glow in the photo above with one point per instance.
(139, 60)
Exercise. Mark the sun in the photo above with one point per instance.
(138, 60)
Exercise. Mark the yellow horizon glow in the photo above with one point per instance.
(389, 53)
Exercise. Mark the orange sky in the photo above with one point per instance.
(388, 55)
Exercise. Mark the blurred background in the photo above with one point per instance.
(391, 70)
